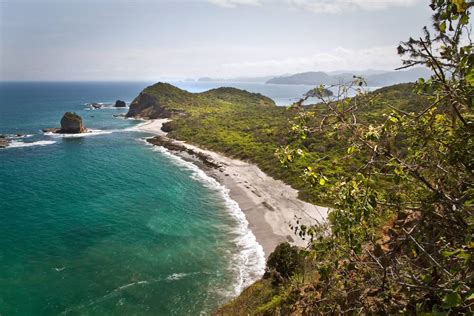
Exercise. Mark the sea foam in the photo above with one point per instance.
(249, 262)
(104, 106)
(18, 144)
(89, 132)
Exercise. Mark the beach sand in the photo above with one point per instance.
(269, 205)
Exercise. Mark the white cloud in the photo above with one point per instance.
(337, 6)
(382, 57)
(234, 3)
(323, 6)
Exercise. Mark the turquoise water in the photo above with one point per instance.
(104, 224)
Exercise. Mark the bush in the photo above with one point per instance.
(286, 260)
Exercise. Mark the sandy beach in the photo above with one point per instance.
(270, 205)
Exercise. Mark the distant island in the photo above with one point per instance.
(258, 79)
(374, 79)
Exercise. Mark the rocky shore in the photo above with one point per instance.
(176, 146)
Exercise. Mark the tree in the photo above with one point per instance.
(402, 226)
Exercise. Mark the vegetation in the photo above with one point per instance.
(286, 260)
(395, 165)
(401, 227)
(251, 127)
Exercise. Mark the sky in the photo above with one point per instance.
(146, 40)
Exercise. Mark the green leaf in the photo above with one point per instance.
(459, 5)
(470, 77)
(393, 119)
(464, 255)
(442, 27)
(322, 181)
(449, 253)
(452, 299)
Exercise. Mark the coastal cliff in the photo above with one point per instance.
(156, 101)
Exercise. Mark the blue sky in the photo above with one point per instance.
(161, 39)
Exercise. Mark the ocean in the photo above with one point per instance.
(105, 224)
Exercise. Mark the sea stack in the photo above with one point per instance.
(120, 104)
(71, 123)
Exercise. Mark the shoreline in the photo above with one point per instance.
(270, 206)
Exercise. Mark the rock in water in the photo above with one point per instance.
(4, 141)
(120, 104)
(95, 106)
(71, 123)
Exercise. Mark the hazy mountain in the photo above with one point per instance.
(374, 78)
(261, 79)
(367, 72)
(307, 78)
(394, 77)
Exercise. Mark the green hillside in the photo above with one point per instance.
(251, 127)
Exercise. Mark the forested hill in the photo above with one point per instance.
(163, 100)
(250, 127)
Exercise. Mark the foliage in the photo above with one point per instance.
(395, 166)
(257, 299)
(286, 260)
(402, 224)
(250, 127)
(72, 116)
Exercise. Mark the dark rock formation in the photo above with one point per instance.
(51, 130)
(147, 107)
(167, 127)
(95, 106)
(120, 104)
(178, 147)
(4, 141)
(71, 123)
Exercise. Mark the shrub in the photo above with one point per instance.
(287, 260)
